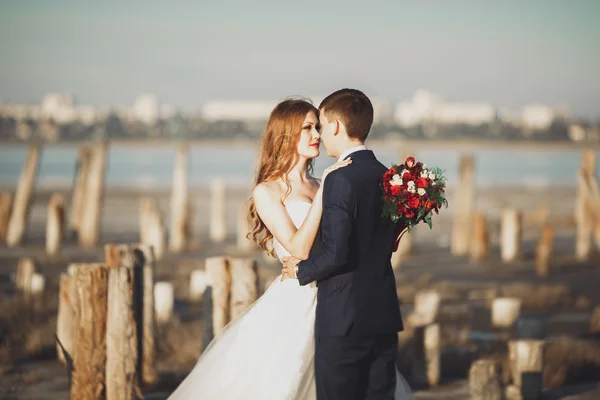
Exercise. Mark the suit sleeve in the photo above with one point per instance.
(336, 228)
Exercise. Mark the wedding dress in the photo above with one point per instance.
(266, 353)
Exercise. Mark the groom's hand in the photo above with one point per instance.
(290, 268)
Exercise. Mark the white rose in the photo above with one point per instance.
(432, 176)
(424, 166)
(395, 177)
(396, 182)
(412, 189)
(433, 183)
(421, 191)
(404, 171)
(411, 183)
(424, 174)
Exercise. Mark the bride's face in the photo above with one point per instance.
(308, 145)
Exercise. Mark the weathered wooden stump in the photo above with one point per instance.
(426, 363)
(152, 229)
(543, 254)
(510, 235)
(164, 301)
(461, 229)
(587, 209)
(526, 358)
(480, 240)
(485, 380)
(66, 315)
(89, 227)
(218, 211)
(24, 276)
(218, 269)
(20, 208)
(56, 224)
(179, 235)
(505, 311)
(199, 282)
(124, 339)
(148, 353)
(5, 210)
(244, 285)
(89, 341)
(427, 307)
(81, 183)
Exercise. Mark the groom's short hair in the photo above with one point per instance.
(353, 108)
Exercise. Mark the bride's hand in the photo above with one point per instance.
(337, 165)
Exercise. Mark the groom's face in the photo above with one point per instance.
(328, 134)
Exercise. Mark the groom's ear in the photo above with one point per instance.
(337, 127)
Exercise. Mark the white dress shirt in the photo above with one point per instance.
(352, 150)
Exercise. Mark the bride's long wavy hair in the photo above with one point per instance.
(278, 155)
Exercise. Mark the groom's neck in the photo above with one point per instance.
(347, 146)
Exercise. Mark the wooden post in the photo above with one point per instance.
(66, 316)
(543, 252)
(152, 229)
(426, 365)
(461, 230)
(480, 241)
(89, 232)
(427, 305)
(81, 183)
(218, 210)
(595, 321)
(178, 236)
(56, 224)
(510, 235)
(505, 311)
(20, 211)
(218, 269)
(199, 282)
(5, 209)
(243, 229)
(25, 271)
(485, 380)
(148, 353)
(244, 285)
(89, 341)
(164, 300)
(584, 215)
(125, 312)
(526, 358)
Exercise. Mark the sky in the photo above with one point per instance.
(509, 53)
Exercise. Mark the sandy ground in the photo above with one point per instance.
(564, 300)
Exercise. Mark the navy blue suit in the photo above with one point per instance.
(358, 315)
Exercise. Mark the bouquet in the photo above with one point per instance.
(412, 192)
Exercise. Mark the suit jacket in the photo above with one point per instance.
(351, 264)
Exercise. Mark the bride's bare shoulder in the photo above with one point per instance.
(267, 192)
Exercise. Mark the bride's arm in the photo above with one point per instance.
(297, 242)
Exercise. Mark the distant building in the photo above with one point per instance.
(427, 107)
(59, 107)
(146, 108)
(540, 117)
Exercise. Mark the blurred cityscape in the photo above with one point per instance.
(426, 115)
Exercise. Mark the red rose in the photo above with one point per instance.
(409, 214)
(410, 161)
(422, 183)
(395, 190)
(407, 176)
(413, 202)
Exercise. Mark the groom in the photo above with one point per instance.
(358, 315)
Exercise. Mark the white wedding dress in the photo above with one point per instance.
(267, 353)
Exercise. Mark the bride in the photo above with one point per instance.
(267, 353)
